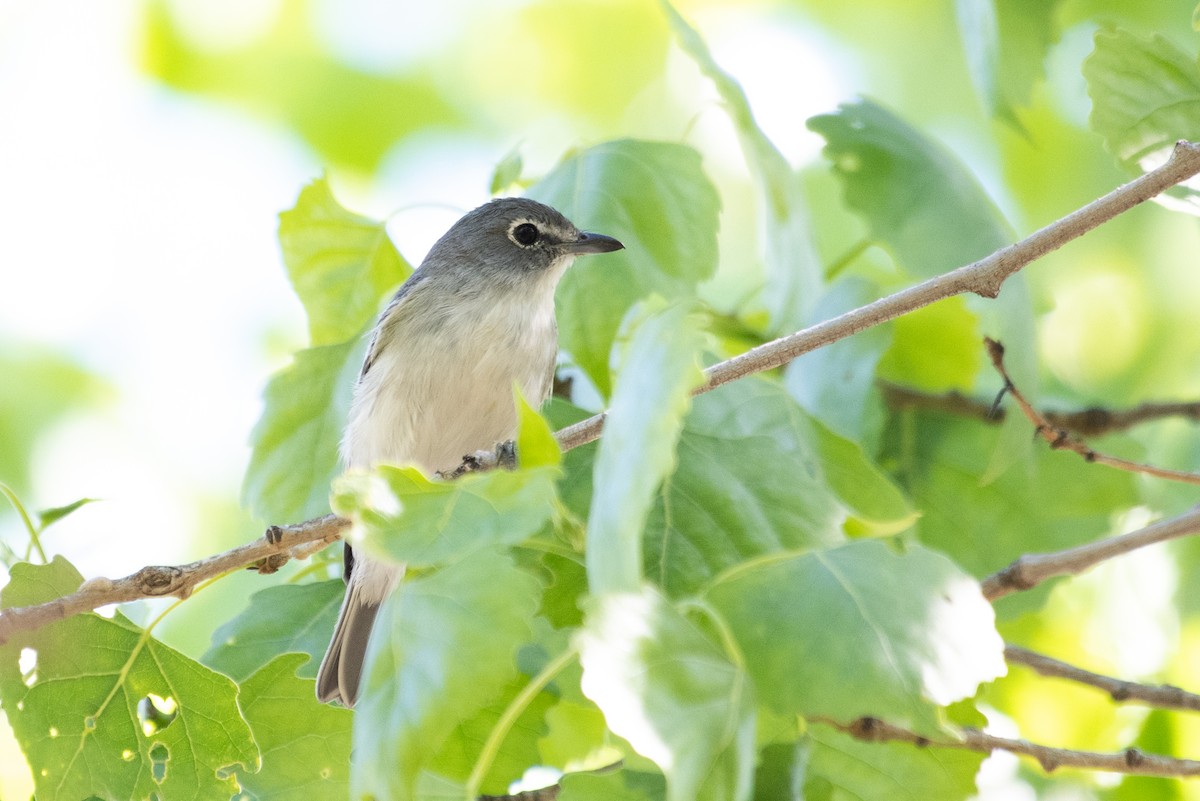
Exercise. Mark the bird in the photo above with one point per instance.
(436, 384)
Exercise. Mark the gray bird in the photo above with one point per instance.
(436, 384)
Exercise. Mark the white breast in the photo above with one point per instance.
(440, 386)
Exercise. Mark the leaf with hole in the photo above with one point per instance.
(110, 711)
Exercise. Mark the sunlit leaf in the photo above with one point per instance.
(659, 367)
(401, 514)
(575, 733)
(657, 200)
(536, 445)
(81, 716)
(443, 649)
(897, 634)
(341, 264)
(935, 349)
(1145, 96)
(794, 273)
(672, 693)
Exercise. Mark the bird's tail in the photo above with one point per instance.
(341, 668)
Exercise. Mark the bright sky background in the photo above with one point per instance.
(141, 242)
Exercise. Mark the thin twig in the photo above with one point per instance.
(1163, 696)
(983, 277)
(1061, 439)
(549, 793)
(1129, 761)
(1030, 570)
(1091, 422)
(268, 553)
(1096, 420)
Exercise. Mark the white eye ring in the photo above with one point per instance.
(524, 233)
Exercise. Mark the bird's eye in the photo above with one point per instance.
(525, 234)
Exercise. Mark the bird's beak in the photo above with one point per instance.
(593, 243)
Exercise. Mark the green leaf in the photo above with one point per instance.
(925, 207)
(38, 389)
(566, 585)
(458, 756)
(912, 630)
(576, 734)
(657, 200)
(618, 785)
(294, 453)
(981, 45)
(936, 349)
(536, 445)
(876, 504)
(1055, 500)
(305, 744)
(836, 383)
(442, 650)
(1006, 44)
(48, 517)
(794, 273)
(748, 482)
(659, 368)
(77, 716)
(1145, 96)
(401, 515)
(348, 116)
(341, 264)
(1028, 31)
(916, 198)
(891, 771)
(675, 696)
(288, 618)
(781, 772)
(507, 172)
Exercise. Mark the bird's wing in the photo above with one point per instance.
(393, 306)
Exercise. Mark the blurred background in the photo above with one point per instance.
(146, 148)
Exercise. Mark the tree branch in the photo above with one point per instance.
(983, 277)
(266, 554)
(1129, 761)
(1091, 422)
(1060, 439)
(1164, 696)
(1030, 570)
